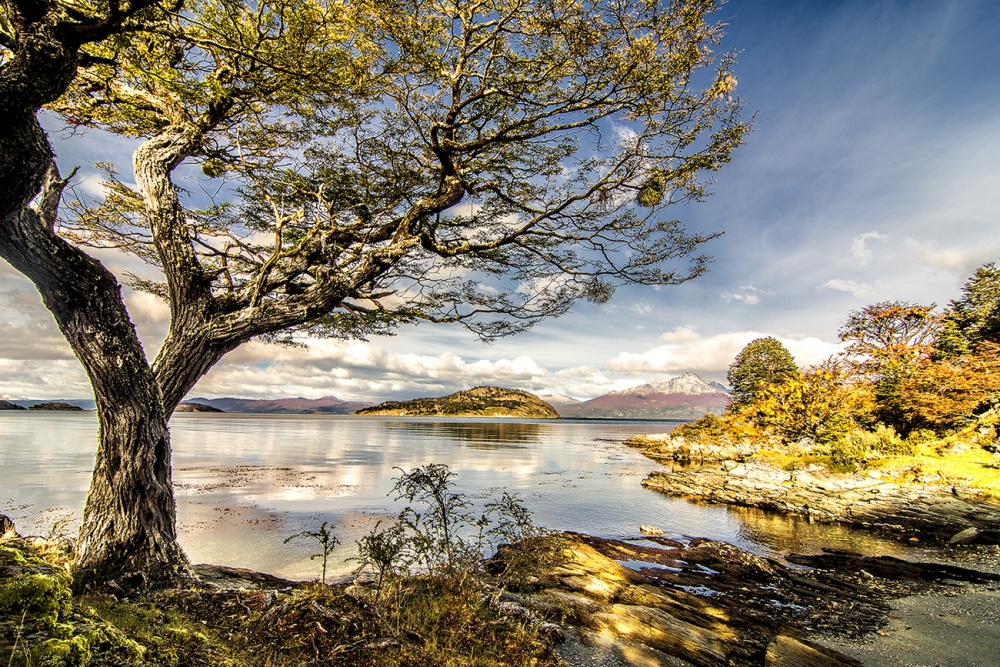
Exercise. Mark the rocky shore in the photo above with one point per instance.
(625, 604)
(902, 503)
(874, 501)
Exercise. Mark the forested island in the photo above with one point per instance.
(475, 402)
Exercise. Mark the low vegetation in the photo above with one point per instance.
(916, 392)
(423, 594)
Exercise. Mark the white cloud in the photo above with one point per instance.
(849, 286)
(358, 370)
(957, 260)
(749, 295)
(859, 245)
(685, 350)
(642, 308)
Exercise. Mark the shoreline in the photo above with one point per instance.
(897, 503)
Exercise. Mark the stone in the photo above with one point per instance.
(786, 651)
(650, 530)
(967, 536)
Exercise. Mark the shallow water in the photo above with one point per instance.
(246, 482)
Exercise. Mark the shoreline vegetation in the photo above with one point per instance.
(899, 433)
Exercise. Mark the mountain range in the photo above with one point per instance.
(684, 397)
(330, 405)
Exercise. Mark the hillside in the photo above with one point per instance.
(330, 405)
(58, 406)
(684, 397)
(477, 402)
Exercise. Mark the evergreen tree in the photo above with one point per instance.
(975, 317)
(762, 363)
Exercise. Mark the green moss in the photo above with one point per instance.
(80, 650)
(41, 597)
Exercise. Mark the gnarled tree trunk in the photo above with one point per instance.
(128, 532)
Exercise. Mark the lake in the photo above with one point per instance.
(245, 482)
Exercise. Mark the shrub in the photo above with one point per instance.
(858, 449)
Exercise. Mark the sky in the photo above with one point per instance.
(873, 174)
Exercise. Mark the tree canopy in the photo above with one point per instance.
(361, 165)
(974, 318)
(762, 363)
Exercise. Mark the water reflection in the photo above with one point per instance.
(501, 434)
(782, 534)
(245, 482)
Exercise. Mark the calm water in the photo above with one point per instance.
(246, 482)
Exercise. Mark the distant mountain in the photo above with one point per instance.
(684, 397)
(555, 400)
(58, 406)
(83, 404)
(327, 405)
(476, 402)
(7, 405)
(195, 407)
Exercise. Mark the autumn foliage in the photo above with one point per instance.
(908, 372)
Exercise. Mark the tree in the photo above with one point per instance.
(975, 317)
(820, 404)
(343, 137)
(941, 393)
(41, 50)
(762, 363)
(887, 340)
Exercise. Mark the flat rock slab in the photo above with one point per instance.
(941, 513)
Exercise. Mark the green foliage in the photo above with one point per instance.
(974, 318)
(859, 449)
(327, 542)
(40, 625)
(342, 127)
(886, 341)
(445, 535)
(427, 620)
(383, 552)
(762, 363)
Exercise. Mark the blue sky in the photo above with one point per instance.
(873, 174)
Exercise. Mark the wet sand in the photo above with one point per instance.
(953, 629)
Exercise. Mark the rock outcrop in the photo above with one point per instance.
(711, 604)
(666, 447)
(642, 619)
(872, 501)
